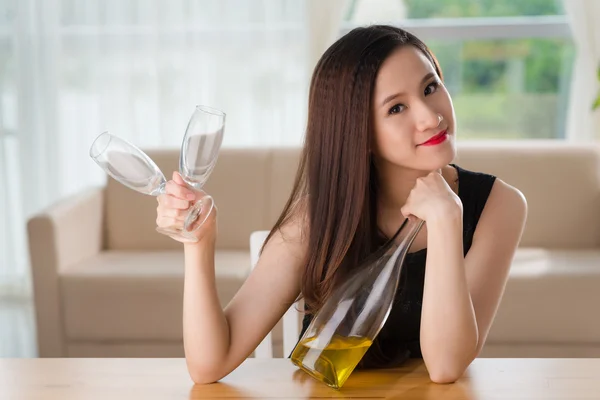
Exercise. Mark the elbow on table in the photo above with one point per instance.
(203, 375)
(448, 369)
(445, 376)
(447, 372)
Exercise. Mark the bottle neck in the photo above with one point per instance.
(407, 231)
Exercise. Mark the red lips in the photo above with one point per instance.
(437, 139)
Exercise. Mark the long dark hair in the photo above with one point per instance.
(336, 178)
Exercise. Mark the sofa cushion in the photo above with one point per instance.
(239, 184)
(117, 296)
(551, 297)
(560, 181)
(137, 295)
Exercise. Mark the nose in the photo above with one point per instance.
(426, 118)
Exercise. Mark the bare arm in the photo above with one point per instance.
(462, 294)
(449, 331)
(216, 341)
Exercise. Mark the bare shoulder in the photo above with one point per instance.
(505, 210)
(508, 198)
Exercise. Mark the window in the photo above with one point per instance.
(481, 8)
(507, 64)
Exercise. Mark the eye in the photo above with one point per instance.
(432, 88)
(398, 108)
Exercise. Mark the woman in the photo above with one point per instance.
(379, 144)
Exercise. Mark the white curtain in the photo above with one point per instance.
(71, 69)
(14, 273)
(582, 123)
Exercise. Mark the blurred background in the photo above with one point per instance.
(71, 69)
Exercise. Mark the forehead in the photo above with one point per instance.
(402, 71)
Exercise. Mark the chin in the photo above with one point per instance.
(436, 157)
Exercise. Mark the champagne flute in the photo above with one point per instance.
(199, 153)
(130, 166)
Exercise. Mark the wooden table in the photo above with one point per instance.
(115, 379)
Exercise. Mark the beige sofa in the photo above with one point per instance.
(107, 285)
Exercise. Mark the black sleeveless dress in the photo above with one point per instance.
(398, 340)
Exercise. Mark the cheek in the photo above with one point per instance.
(392, 140)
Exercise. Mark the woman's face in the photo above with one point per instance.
(411, 107)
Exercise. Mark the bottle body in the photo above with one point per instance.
(343, 329)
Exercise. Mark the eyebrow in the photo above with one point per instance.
(393, 96)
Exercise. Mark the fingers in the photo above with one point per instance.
(177, 178)
(179, 190)
(167, 222)
(169, 201)
(174, 213)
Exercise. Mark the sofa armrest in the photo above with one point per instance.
(62, 235)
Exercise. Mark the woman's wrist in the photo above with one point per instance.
(445, 215)
(203, 246)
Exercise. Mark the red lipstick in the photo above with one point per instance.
(437, 139)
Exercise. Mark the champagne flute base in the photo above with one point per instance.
(198, 214)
